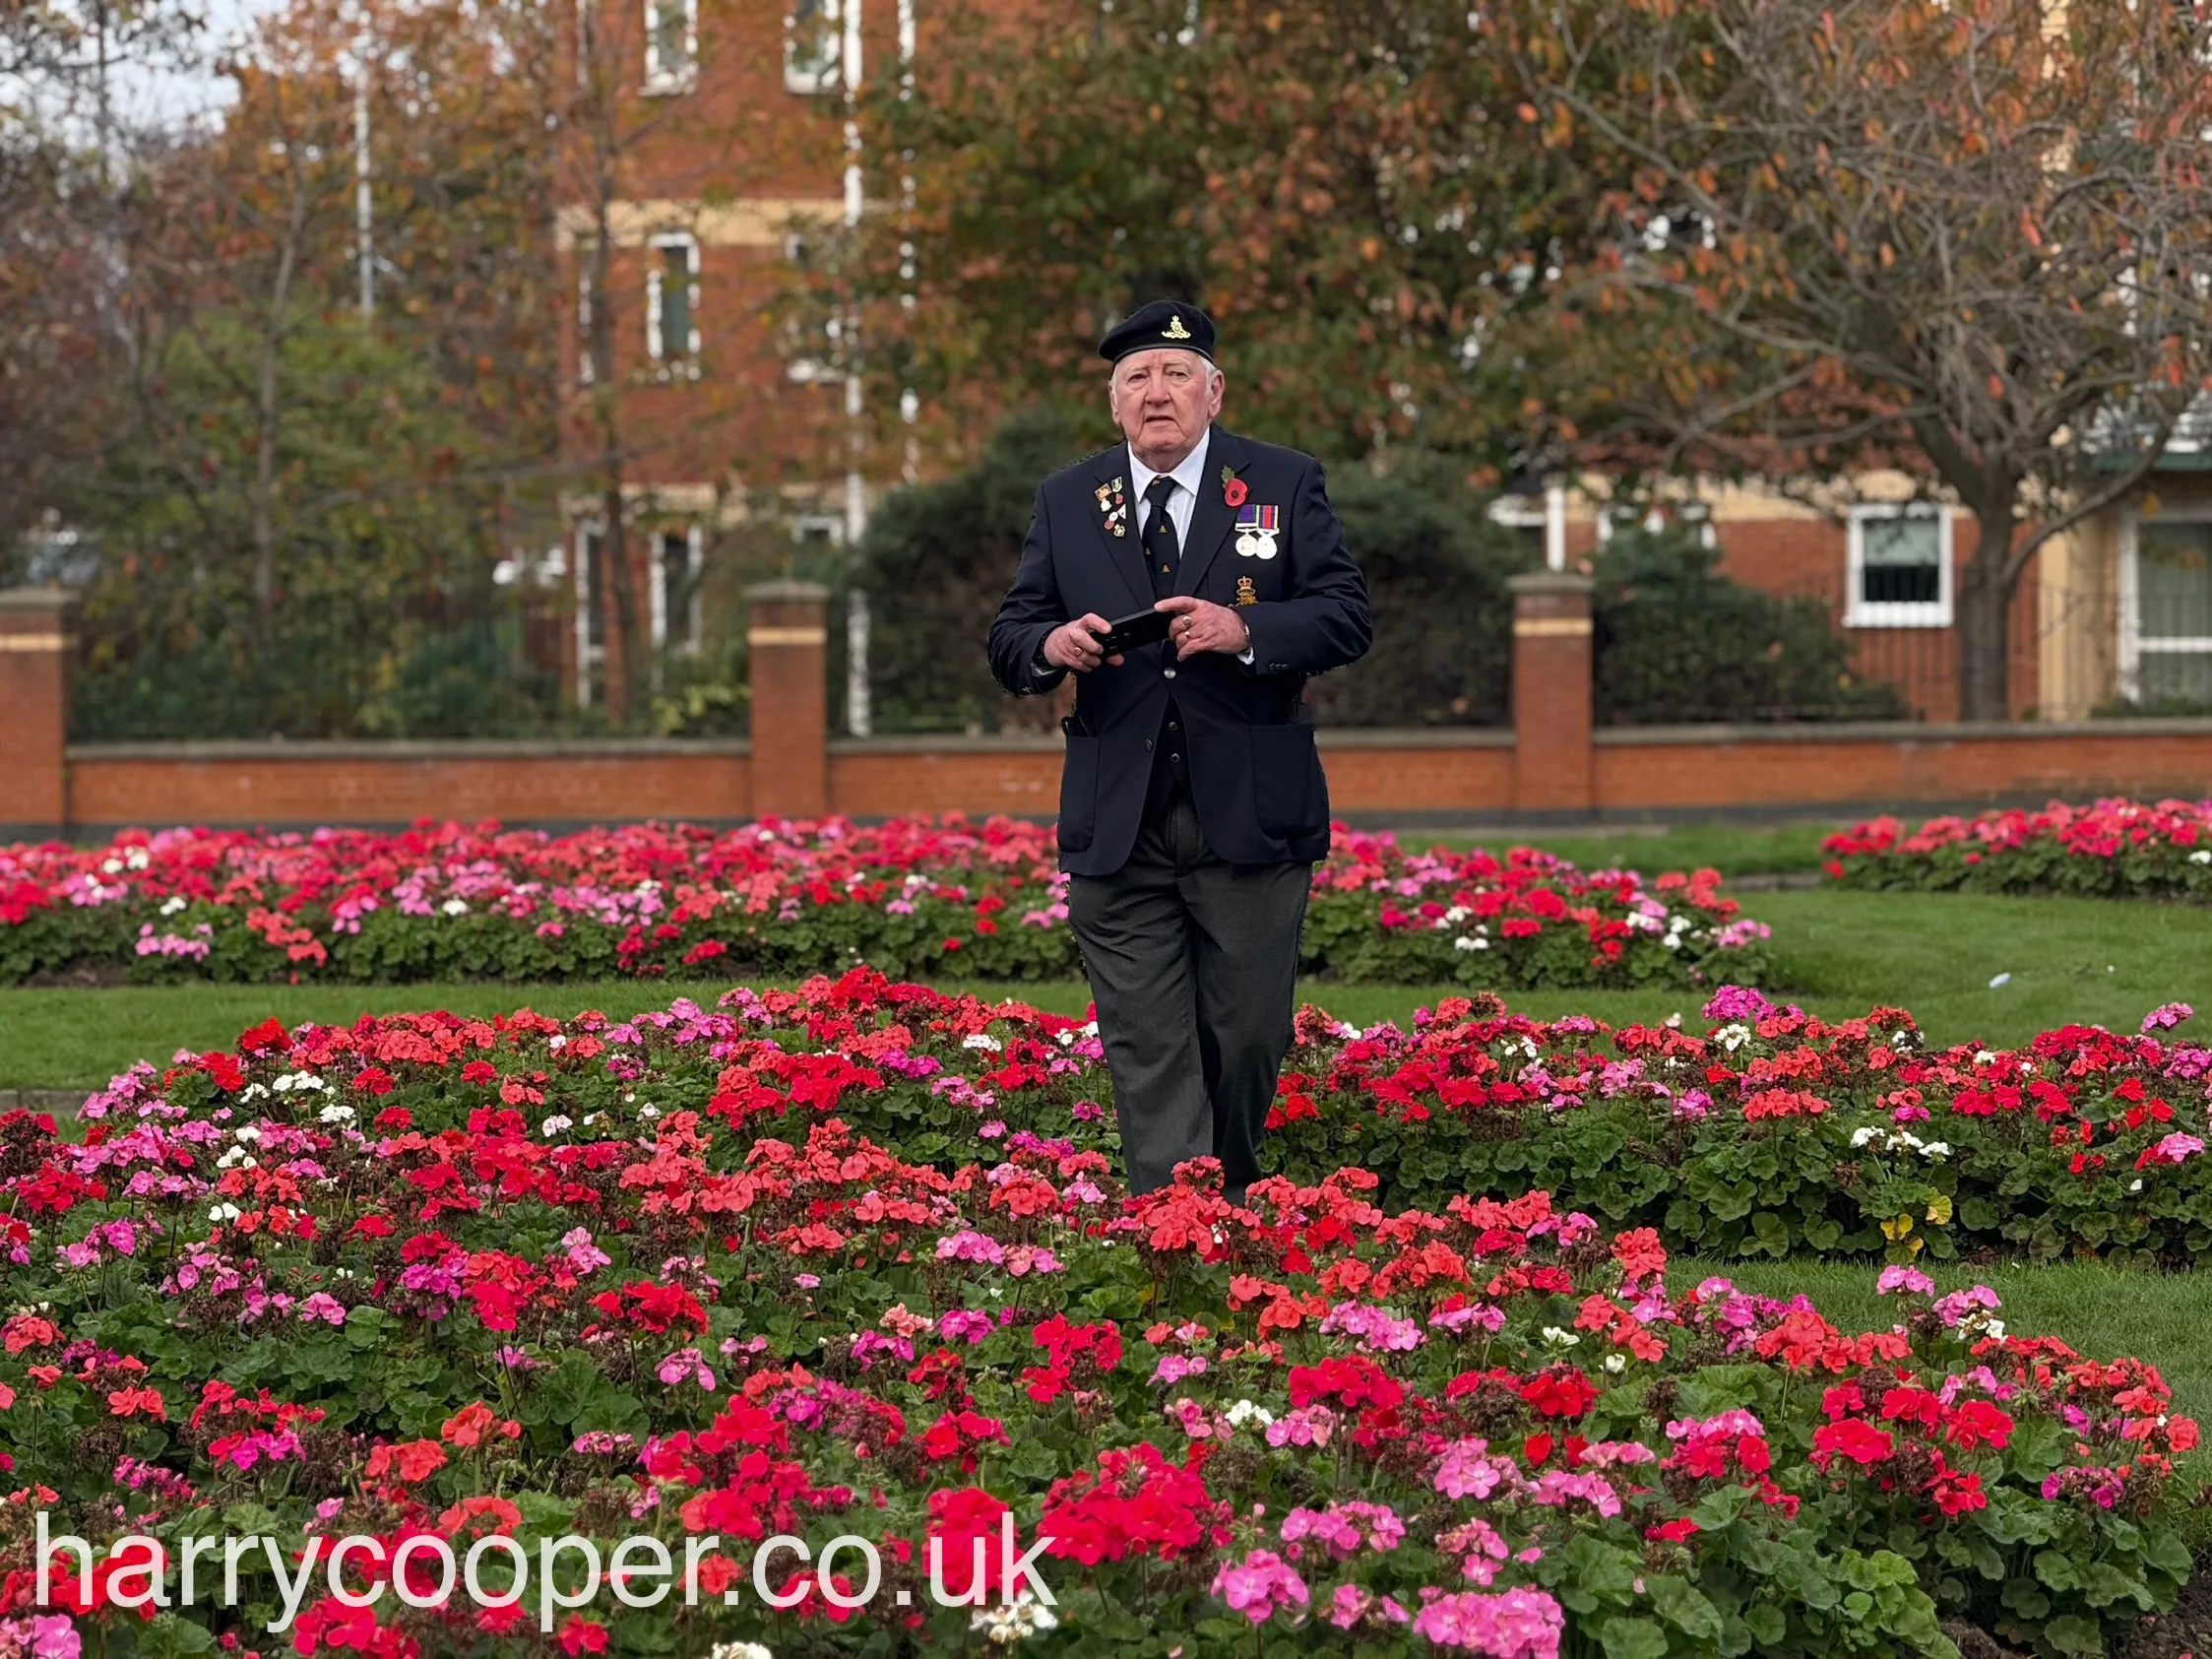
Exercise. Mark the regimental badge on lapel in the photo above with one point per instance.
(1114, 507)
(1244, 591)
(1256, 530)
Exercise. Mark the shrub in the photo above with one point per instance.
(938, 561)
(1677, 643)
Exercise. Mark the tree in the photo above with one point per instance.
(1973, 236)
(1346, 187)
(66, 198)
(287, 503)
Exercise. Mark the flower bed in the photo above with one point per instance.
(1767, 1133)
(784, 899)
(431, 1279)
(2114, 849)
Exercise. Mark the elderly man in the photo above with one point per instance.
(1193, 803)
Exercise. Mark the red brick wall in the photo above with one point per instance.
(1841, 769)
(1371, 774)
(397, 783)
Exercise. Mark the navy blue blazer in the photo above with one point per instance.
(1257, 781)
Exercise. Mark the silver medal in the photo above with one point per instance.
(1249, 547)
(1264, 545)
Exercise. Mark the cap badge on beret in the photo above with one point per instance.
(1175, 329)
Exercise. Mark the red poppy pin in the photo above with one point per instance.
(1233, 491)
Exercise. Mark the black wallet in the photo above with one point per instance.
(1127, 633)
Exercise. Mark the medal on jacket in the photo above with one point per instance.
(1256, 530)
(1114, 508)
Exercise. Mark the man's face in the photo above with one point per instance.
(1164, 400)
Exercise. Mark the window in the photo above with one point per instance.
(2165, 613)
(672, 303)
(586, 367)
(591, 621)
(818, 530)
(813, 46)
(1542, 520)
(671, 45)
(1900, 568)
(810, 343)
(677, 610)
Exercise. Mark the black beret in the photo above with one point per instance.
(1162, 323)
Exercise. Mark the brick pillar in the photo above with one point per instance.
(1552, 693)
(789, 643)
(36, 646)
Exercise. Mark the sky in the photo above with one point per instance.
(173, 94)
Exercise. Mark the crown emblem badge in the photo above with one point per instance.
(1175, 329)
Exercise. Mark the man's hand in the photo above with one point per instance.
(1074, 646)
(1202, 625)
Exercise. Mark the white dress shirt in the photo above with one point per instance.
(1182, 500)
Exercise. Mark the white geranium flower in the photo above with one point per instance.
(1011, 1622)
(454, 907)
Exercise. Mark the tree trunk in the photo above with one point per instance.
(1984, 616)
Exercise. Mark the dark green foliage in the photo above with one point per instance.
(935, 562)
(1436, 567)
(938, 558)
(1677, 643)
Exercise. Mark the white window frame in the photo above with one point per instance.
(811, 371)
(1551, 518)
(695, 557)
(822, 526)
(585, 371)
(797, 78)
(1857, 612)
(663, 79)
(2128, 658)
(587, 654)
(653, 344)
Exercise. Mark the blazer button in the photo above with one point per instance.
(1166, 674)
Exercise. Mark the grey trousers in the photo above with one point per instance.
(1193, 964)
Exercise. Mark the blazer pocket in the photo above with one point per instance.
(1289, 793)
(1079, 793)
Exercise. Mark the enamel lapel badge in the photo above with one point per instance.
(1114, 507)
(1246, 593)
(1256, 530)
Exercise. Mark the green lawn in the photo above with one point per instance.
(1840, 953)
(1736, 849)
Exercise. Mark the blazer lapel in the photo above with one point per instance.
(1213, 518)
(1110, 483)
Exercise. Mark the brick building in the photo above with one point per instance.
(706, 155)
(1882, 565)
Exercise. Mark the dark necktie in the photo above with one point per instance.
(1161, 555)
